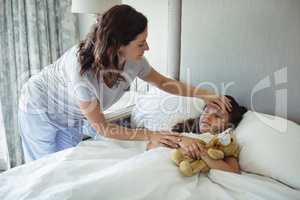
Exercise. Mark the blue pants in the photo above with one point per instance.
(41, 135)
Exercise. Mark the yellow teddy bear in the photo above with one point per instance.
(220, 146)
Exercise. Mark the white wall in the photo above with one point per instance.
(85, 23)
(244, 42)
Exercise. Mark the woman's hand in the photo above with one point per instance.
(170, 139)
(221, 101)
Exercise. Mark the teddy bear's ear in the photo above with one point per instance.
(228, 131)
(233, 137)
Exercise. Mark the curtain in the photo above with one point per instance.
(33, 34)
(4, 160)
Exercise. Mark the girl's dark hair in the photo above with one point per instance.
(99, 50)
(237, 112)
(192, 125)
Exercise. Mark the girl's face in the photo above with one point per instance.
(213, 119)
(136, 48)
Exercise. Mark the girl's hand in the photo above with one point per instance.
(169, 139)
(197, 151)
(192, 147)
(220, 101)
(203, 152)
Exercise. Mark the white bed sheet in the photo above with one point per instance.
(122, 170)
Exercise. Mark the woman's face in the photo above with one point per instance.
(213, 119)
(136, 48)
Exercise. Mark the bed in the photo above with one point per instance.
(99, 170)
(111, 169)
(240, 49)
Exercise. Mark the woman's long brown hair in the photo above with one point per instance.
(99, 50)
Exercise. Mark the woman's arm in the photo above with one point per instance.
(92, 111)
(175, 87)
(179, 88)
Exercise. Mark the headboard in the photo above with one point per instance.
(249, 49)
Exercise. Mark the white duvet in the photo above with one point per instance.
(123, 170)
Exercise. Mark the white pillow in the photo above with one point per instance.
(270, 146)
(159, 110)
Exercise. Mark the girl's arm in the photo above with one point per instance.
(92, 111)
(197, 151)
(229, 164)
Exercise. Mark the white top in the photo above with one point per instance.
(58, 88)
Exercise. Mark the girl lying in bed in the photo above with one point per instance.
(214, 120)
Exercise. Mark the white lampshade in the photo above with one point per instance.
(93, 6)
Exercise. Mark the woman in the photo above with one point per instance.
(89, 78)
(213, 120)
